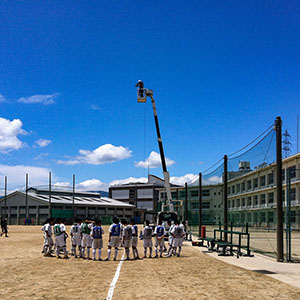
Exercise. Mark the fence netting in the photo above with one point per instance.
(251, 197)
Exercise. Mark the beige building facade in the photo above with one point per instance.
(252, 197)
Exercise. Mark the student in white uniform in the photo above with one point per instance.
(59, 230)
(178, 234)
(127, 238)
(135, 232)
(114, 238)
(170, 238)
(122, 224)
(86, 241)
(96, 234)
(75, 234)
(159, 233)
(147, 238)
(48, 241)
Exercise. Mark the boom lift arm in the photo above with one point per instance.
(142, 97)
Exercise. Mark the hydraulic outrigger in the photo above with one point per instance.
(169, 213)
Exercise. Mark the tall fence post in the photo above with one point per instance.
(225, 177)
(26, 200)
(200, 204)
(186, 203)
(5, 196)
(73, 198)
(49, 214)
(278, 126)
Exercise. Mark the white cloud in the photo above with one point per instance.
(41, 156)
(181, 180)
(16, 175)
(2, 98)
(42, 142)
(92, 185)
(212, 180)
(206, 181)
(9, 131)
(153, 161)
(107, 153)
(43, 99)
(62, 184)
(128, 180)
(95, 107)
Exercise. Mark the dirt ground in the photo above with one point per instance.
(26, 274)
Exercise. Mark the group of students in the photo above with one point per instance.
(89, 235)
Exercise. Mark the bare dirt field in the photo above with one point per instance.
(26, 274)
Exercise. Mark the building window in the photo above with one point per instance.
(293, 216)
(262, 199)
(255, 217)
(255, 200)
(255, 183)
(293, 194)
(43, 206)
(283, 195)
(205, 193)
(205, 205)
(262, 180)
(195, 205)
(194, 193)
(228, 192)
(249, 201)
(233, 189)
(249, 219)
(271, 198)
(238, 188)
(228, 204)
(233, 204)
(292, 171)
(182, 194)
(174, 195)
(262, 217)
(249, 186)
(270, 217)
(243, 186)
(238, 203)
(243, 202)
(270, 178)
(283, 174)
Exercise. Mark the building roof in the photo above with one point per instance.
(153, 181)
(79, 199)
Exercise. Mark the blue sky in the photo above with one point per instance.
(221, 72)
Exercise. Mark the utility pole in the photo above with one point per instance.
(200, 204)
(49, 214)
(225, 178)
(186, 203)
(26, 198)
(278, 126)
(73, 197)
(5, 195)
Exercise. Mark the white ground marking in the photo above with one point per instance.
(114, 281)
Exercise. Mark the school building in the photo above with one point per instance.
(252, 197)
(36, 204)
(144, 196)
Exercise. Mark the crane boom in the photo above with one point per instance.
(162, 156)
(142, 98)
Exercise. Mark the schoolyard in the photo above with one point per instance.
(26, 274)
